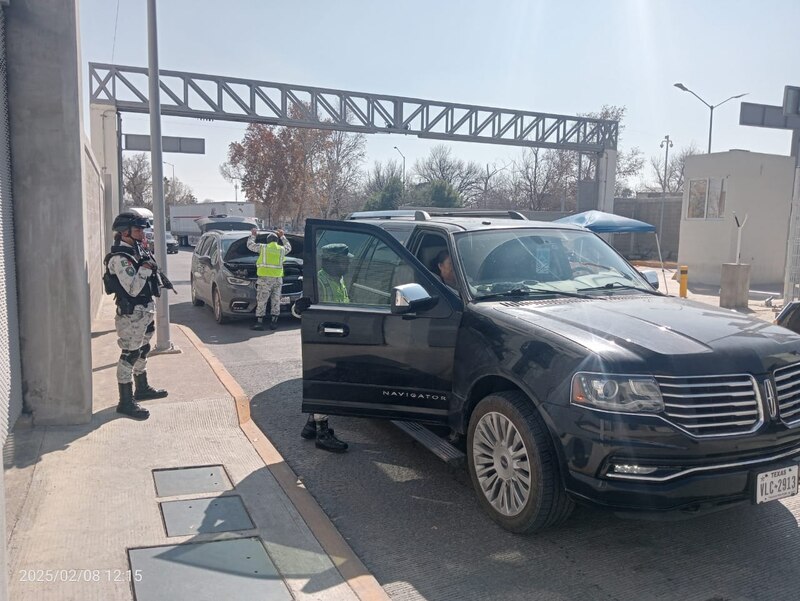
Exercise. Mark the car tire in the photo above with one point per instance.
(295, 313)
(195, 301)
(219, 316)
(526, 494)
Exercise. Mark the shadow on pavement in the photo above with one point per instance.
(201, 321)
(418, 528)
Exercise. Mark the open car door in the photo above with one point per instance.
(371, 349)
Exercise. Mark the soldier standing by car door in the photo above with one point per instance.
(131, 276)
(269, 269)
(334, 263)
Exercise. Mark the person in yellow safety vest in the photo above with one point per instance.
(334, 263)
(269, 269)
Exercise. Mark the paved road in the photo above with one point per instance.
(417, 525)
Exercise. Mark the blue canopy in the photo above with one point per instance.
(600, 222)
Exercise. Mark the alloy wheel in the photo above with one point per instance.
(502, 464)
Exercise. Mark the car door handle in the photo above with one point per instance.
(334, 329)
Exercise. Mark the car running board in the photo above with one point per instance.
(435, 444)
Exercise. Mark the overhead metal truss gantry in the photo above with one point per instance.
(251, 101)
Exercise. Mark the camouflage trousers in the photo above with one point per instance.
(266, 289)
(134, 333)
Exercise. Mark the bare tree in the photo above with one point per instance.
(380, 176)
(674, 181)
(137, 180)
(629, 163)
(341, 173)
(440, 165)
(493, 188)
(541, 178)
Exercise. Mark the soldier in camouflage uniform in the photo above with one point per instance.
(130, 276)
(269, 268)
(334, 263)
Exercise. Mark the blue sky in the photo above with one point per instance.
(559, 56)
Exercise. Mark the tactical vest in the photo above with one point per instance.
(126, 302)
(270, 261)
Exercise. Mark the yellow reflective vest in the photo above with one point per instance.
(270, 261)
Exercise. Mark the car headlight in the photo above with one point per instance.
(629, 394)
(237, 281)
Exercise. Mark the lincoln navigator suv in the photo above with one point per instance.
(569, 377)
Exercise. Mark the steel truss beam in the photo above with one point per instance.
(233, 99)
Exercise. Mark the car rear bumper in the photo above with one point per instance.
(244, 305)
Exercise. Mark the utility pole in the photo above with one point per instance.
(404, 171)
(666, 143)
(236, 191)
(163, 342)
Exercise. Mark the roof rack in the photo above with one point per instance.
(396, 214)
(427, 214)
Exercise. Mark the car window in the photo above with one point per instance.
(214, 254)
(564, 260)
(366, 277)
(202, 246)
(401, 234)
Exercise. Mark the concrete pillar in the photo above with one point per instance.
(734, 286)
(606, 180)
(44, 82)
(105, 145)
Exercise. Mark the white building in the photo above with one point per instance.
(750, 184)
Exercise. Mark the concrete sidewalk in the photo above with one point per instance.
(83, 509)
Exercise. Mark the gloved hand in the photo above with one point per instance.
(151, 266)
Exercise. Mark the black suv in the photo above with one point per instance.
(571, 378)
(224, 274)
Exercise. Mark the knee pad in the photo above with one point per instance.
(130, 357)
(143, 350)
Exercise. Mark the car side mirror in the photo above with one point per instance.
(651, 276)
(409, 298)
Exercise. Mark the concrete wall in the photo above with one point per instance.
(757, 185)
(648, 209)
(44, 81)
(97, 233)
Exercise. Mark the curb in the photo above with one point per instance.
(352, 570)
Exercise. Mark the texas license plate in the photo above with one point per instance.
(776, 484)
(285, 300)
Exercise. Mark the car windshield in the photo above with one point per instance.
(538, 260)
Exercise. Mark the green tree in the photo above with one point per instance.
(444, 195)
(388, 198)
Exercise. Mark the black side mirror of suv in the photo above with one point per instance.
(410, 298)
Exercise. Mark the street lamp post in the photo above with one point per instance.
(404, 171)
(163, 342)
(711, 108)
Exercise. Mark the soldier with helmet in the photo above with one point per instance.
(131, 276)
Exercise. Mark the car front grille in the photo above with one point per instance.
(703, 406)
(787, 384)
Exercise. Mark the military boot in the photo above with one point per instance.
(327, 441)
(273, 325)
(144, 391)
(127, 406)
(310, 429)
(258, 325)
